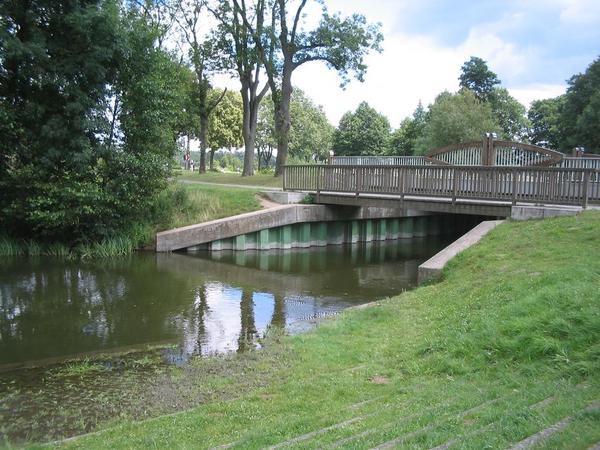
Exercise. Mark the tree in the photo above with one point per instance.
(71, 174)
(509, 114)
(284, 46)
(580, 113)
(265, 135)
(203, 58)
(236, 41)
(225, 127)
(57, 59)
(364, 132)
(404, 139)
(455, 118)
(311, 134)
(544, 116)
(477, 77)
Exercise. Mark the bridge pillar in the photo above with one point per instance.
(354, 232)
(304, 235)
(318, 233)
(368, 231)
(394, 228)
(263, 240)
(381, 233)
(286, 236)
(240, 242)
(406, 227)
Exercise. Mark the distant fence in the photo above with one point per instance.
(568, 186)
(488, 152)
(581, 162)
(378, 160)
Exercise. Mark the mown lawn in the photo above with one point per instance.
(507, 345)
(265, 180)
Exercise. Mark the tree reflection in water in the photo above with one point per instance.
(205, 303)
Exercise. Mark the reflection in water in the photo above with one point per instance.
(206, 303)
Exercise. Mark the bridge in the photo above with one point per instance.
(487, 177)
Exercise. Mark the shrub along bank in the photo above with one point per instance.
(505, 346)
(177, 206)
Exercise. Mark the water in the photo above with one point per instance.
(201, 304)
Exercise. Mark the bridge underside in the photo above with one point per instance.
(426, 204)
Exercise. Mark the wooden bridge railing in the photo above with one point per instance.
(511, 184)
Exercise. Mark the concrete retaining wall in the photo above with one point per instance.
(292, 226)
(432, 268)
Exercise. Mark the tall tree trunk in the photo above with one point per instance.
(258, 157)
(281, 101)
(212, 159)
(251, 102)
(202, 137)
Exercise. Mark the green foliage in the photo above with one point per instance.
(509, 114)
(455, 118)
(403, 140)
(58, 58)
(225, 122)
(477, 77)
(154, 92)
(580, 112)
(364, 132)
(342, 43)
(544, 116)
(311, 134)
(70, 174)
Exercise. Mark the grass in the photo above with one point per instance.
(506, 345)
(79, 368)
(202, 203)
(264, 180)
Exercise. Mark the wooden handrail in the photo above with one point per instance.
(549, 185)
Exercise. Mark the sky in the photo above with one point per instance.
(534, 46)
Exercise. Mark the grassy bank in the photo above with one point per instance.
(265, 180)
(507, 345)
(179, 206)
(196, 203)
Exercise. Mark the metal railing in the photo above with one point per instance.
(547, 185)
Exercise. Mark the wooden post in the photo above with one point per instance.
(586, 180)
(514, 186)
(356, 179)
(285, 177)
(454, 187)
(318, 183)
(491, 151)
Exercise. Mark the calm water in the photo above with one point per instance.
(201, 304)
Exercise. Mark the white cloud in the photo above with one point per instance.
(415, 68)
(529, 93)
(580, 12)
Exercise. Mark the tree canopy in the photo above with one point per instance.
(477, 77)
(363, 132)
(580, 112)
(544, 116)
(455, 118)
(91, 107)
(404, 139)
